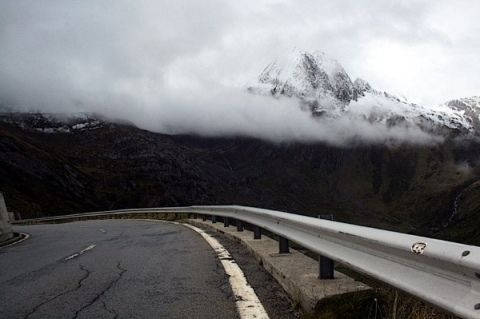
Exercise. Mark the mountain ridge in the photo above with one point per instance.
(54, 164)
(322, 86)
(406, 188)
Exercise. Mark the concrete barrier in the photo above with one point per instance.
(5, 227)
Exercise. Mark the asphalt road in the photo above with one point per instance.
(113, 269)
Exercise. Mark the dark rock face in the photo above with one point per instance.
(406, 188)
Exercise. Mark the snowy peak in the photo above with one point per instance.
(319, 82)
(322, 86)
(361, 87)
(308, 75)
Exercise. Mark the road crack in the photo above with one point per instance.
(112, 311)
(102, 293)
(78, 286)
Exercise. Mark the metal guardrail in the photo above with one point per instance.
(443, 273)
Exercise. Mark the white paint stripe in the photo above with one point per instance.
(72, 256)
(246, 300)
(103, 230)
(87, 249)
(80, 253)
(25, 237)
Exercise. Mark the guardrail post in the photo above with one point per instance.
(226, 222)
(204, 217)
(257, 232)
(194, 215)
(214, 219)
(239, 225)
(326, 265)
(283, 245)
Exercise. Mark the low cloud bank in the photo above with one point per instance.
(172, 67)
(231, 112)
(234, 112)
(222, 111)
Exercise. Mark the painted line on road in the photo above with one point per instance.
(25, 237)
(246, 300)
(87, 249)
(80, 253)
(71, 257)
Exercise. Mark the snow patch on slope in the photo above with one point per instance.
(52, 122)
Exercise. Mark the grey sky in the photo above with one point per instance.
(157, 61)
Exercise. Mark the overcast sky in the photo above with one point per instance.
(138, 58)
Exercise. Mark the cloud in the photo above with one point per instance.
(181, 66)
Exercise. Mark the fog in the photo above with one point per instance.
(183, 66)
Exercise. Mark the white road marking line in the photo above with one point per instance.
(72, 256)
(25, 237)
(87, 249)
(80, 253)
(103, 230)
(247, 302)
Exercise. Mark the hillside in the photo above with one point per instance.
(430, 190)
(65, 163)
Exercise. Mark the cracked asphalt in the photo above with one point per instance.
(136, 269)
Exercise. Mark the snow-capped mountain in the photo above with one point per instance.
(322, 86)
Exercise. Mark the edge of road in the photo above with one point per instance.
(294, 271)
(246, 300)
(16, 239)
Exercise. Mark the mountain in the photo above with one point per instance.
(57, 163)
(430, 190)
(322, 86)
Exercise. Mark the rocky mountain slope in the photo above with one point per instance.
(108, 165)
(323, 87)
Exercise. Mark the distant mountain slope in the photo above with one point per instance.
(58, 163)
(322, 86)
(53, 122)
(407, 188)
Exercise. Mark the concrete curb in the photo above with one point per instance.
(295, 272)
